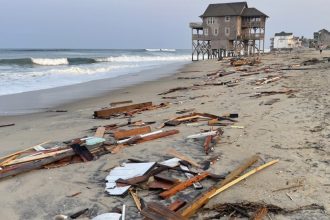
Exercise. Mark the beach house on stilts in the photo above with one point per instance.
(228, 29)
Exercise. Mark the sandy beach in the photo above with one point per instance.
(295, 130)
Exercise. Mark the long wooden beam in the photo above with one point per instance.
(181, 186)
(202, 199)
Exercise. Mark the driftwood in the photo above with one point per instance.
(7, 125)
(174, 90)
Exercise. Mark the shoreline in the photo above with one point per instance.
(294, 130)
(46, 99)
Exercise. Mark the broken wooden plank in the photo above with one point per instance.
(164, 211)
(108, 112)
(207, 143)
(6, 125)
(181, 186)
(21, 168)
(155, 136)
(83, 152)
(136, 199)
(132, 132)
(34, 157)
(202, 199)
(235, 181)
(181, 156)
(99, 132)
(121, 102)
(176, 205)
(197, 185)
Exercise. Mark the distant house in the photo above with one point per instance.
(322, 38)
(285, 41)
(228, 28)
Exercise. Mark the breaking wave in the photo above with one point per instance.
(83, 60)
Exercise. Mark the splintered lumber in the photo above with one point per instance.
(108, 112)
(120, 102)
(197, 185)
(35, 157)
(181, 156)
(239, 179)
(181, 186)
(7, 125)
(207, 143)
(21, 168)
(202, 199)
(155, 211)
(136, 199)
(176, 205)
(99, 132)
(135, 138)
(132, 132)
(155, 136)
(260, 213)
(83, 152)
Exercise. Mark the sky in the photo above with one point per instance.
(135, 24)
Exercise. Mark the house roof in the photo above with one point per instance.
(225, 9)
(249, 12)
(283, 34)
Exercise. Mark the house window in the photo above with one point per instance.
(206, 31)
(227, 30)
(227, 18)
(210, 20)
(216, 31)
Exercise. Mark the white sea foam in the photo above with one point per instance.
(143, 58)
(50, 62)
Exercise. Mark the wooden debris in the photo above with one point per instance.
(6, 125)
(136, 199)
(120, 103)
(132, 132)
(197, 185)
(245, 61)
(78, 214)
(108, 112)
(176, 205)
(268, 80)
(289, 187)
(207, 143)
(21, 168)
(162, 134)
(83, 152)
(183, 111)
(268, 93)
(99, 132)
(155, 211)
(270, 101)
(201, 200)
(173, 152)
(174, 90)
(235, 181)
(181, 186)
(74, 194)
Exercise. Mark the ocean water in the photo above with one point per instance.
(31, 70)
